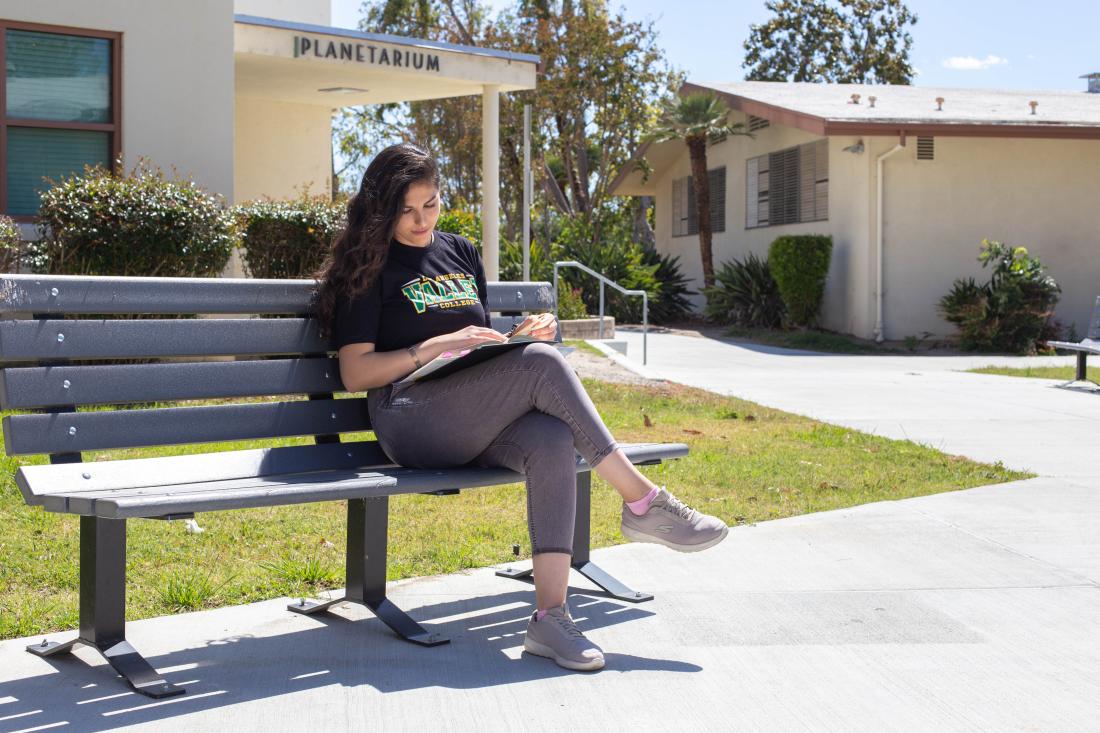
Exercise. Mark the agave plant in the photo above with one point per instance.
(671, 303)
(745, 294)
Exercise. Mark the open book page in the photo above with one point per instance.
(451, 361)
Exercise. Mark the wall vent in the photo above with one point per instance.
(757, 123)
(926, 148)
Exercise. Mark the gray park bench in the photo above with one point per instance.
(42, 381)
(1088, 345)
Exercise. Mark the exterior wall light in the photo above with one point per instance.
(856, 149)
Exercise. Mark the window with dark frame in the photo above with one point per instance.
(685, 214)
(788, 186)
(59, 108)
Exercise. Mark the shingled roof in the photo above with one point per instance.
(828, 109)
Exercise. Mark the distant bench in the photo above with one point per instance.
(1089, 345)
(37, 375)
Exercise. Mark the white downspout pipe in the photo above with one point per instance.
(490, 180)
(879, 336)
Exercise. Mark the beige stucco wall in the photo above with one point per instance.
(1039, 194)
(177, 78)
(317, 12)
(281, 149)
(1034, 193)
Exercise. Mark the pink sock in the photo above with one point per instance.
(641, 506)
(540, 614)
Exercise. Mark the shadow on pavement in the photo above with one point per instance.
(342, 650)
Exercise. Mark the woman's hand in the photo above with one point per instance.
(463, 339)
(542, 326)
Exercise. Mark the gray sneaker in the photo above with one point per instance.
(672, 523)
(557, 637)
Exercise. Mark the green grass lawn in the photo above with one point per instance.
(811, 340)
(1064, 373)
(747, 464)
(585, 346)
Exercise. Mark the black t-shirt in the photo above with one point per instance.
(421, 292)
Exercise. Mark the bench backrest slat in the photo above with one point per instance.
(1094, 324)
(87, 294)
(22, 388)
(36, 355)
(72, 432)
(37, 340)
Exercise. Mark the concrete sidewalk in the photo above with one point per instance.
(1027, 424)
(976, 610)
(963, 611)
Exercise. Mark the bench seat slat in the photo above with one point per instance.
(140, 489)
(128, 383)
(119, 475)
(37, 340)
(109, 429)
(1089, 345)
(328, 486)
(92, 294)
(274, 491)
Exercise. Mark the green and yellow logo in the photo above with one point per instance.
(444, 291)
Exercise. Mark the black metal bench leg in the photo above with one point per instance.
(1082, 369)
(103, 608)
(368, 526)
(582, 532)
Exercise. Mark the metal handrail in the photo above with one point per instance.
(603, 280)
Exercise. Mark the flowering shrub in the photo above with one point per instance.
(136, 223)
(11, 245)
(288, 239)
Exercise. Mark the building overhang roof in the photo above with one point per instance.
(338, 67)
(827, 109)
(899, 111)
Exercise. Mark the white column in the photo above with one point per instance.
(490, 180)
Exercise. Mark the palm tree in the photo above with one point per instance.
(695, 118)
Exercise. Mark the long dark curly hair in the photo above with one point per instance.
(359, 252)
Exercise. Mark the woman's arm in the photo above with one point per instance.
(363, 368)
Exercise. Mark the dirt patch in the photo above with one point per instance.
(590, 366)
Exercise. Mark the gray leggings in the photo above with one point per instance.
(525, 410)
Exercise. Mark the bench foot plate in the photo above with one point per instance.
(138, 672)
(51, 648)
(403, 625)
(610, 584)
(389, 614)
(308, 606)
(126, 661)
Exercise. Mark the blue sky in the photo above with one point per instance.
(956, 43)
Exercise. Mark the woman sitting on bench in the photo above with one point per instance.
(396, 294)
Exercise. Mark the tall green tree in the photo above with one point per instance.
(599, 79)
(843, 41)
(695, 119)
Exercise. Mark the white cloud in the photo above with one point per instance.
(970, 63)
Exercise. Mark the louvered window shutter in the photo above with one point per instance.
(717, 178)
(821, 180)
(752, 167)
(783, 194)
(806, 183)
